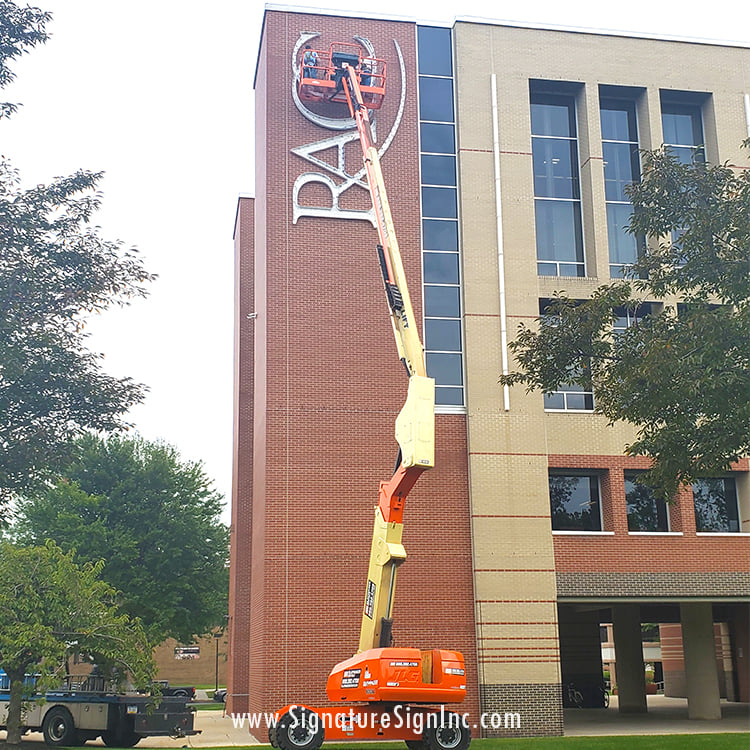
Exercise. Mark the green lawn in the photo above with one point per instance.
(728, 741)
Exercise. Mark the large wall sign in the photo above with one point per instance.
(336, 179)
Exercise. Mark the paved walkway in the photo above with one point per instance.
(664, 716)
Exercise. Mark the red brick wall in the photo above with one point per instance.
(327, 388)
(238, 659)
(625, 552)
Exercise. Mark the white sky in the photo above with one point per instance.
(158, 94)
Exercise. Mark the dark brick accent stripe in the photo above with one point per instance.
(595, 585)
(539, 708)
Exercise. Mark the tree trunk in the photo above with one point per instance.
(14, 708)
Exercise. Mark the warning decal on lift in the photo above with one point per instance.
(370, 599)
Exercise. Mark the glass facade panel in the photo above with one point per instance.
(435, 51)
(554, 176)
(439, 235)
(436, 99)
(439, 202)
(444, 334)
(716, 509)
(445, 368)
(441, 301)
(437, 138)
(440, 268)
(622, 167)
(554, 146)
(440, 239)
(623, 246)
(438, 170)
(682, 126)
(558, 231)
(552, 115)
(645, 511)
(574, 502)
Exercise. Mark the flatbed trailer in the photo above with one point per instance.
(74, 714)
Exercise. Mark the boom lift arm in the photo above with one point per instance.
(415, 425)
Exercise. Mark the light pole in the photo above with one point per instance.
(217, 636)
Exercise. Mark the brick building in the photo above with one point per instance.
(520, 584)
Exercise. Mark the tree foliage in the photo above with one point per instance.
(680, 375)
(153, 519)
(20, 29)
(52, 607)
(55, 271)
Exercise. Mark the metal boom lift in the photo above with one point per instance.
(387, 692)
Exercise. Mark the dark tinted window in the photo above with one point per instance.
(439, 235)
(439, 202)
(445, 368)
(436, 99)
(441, 301)
(441, 268)
(443, 335)
(438, 138)
(645, 511)
(574, 503)
(438, 170)
(715, 502)
(434, 47)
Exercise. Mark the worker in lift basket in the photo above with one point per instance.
(310, 60)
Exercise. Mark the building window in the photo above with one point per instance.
(715, 501)
(682, 125)
(621, 168)
(440, 245)
(574, 502)
(568, 397)
(646, 512)
(625, 317)
(557, 194)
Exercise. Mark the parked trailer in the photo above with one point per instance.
(72, 715)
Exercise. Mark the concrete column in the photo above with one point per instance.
(631, 677)
(700, 661)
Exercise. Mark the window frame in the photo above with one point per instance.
(597, 485)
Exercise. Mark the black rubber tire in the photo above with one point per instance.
(272, 737)
(416, 744)
(58, 727)
(300, 729)
(127, 738)
(451, 734)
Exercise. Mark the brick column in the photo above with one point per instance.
(631, 680)
(700, 661)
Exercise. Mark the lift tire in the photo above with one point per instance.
(272, 737)
(449, 733)
(416, 744)
(299, 729)
(58, 727)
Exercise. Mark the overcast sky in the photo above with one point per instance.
(158, 95)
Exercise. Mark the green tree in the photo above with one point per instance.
(681, 375)
(51, 606)
(153, 518)
(55, 270)
(20, 29)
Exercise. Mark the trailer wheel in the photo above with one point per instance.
(451, 733)
(58, 727)
(300, 729)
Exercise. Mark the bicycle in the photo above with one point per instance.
(573, 696)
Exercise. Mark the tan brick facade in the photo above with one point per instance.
(319, 384)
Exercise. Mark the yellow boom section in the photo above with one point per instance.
(415, 425)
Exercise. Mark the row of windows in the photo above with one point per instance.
(571, 397)
(575, 504)
(439, 193)
(556, 166)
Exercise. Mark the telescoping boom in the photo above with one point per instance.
(391, 693)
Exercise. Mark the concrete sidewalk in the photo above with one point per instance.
(664, 716)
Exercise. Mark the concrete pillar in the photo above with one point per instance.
(631, 677)
(700, 661)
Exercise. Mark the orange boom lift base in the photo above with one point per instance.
(383, 692)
